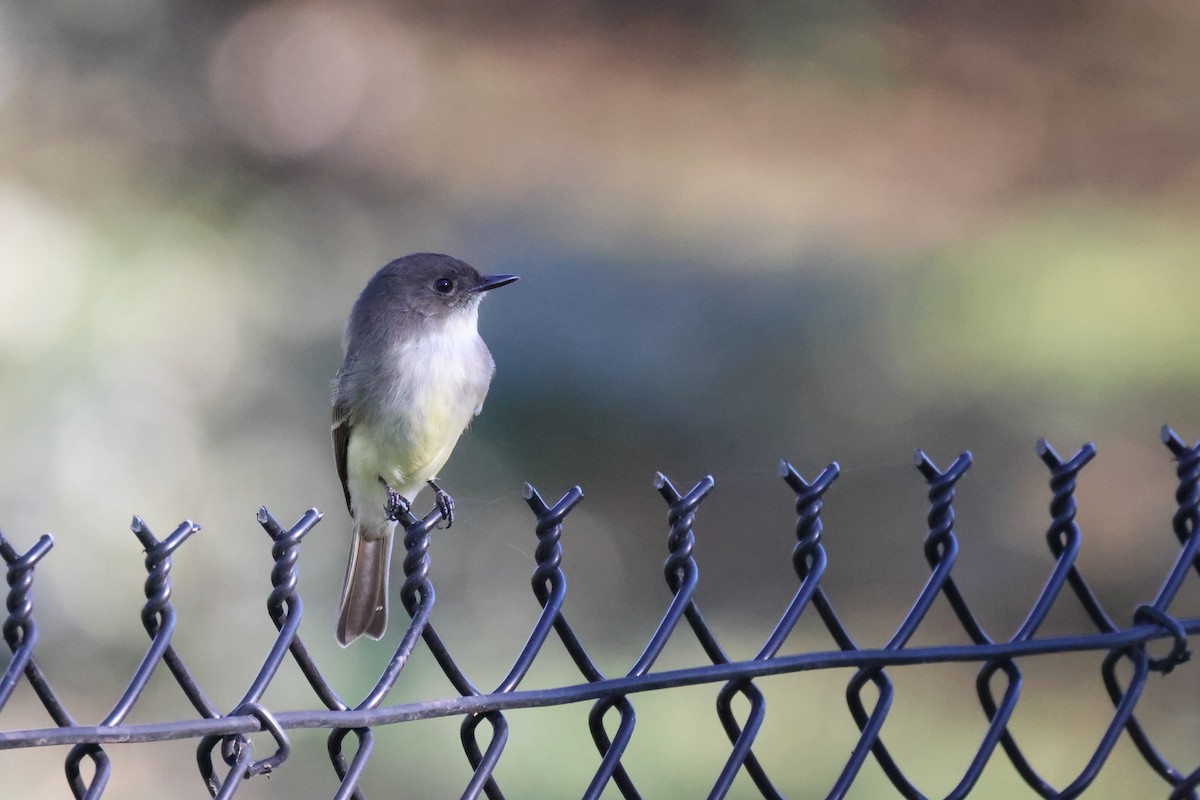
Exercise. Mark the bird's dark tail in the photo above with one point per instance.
(363, 609)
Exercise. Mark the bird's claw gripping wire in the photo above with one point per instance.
(445, 503)
(396, 506)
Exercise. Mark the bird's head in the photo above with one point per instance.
(437, 285)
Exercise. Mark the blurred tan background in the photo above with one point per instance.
(746, 232)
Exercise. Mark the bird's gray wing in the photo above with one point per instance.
(341, 443)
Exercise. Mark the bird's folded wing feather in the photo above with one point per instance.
(341, 443)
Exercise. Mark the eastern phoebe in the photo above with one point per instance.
(414, 374)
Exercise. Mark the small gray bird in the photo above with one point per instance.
(414, 374)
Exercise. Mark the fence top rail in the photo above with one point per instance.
(1119, 640)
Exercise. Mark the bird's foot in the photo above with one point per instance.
(445, 503)
(396, 506)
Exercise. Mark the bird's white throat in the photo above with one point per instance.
(450, 337)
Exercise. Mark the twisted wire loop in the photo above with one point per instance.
(21, 634)
(285, 610)
(417, 596)
(1184, 523)
(809, 560)
(681, 573)
(158, 618)
(285, 607)
(998, 682)
(1063, 539)
(805, 555)
(941, 550)
(549, 588)
(20, 630)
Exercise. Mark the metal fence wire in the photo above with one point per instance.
(226, 760)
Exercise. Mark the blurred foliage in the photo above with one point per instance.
(747, 231)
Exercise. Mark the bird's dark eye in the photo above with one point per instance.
(443, 285)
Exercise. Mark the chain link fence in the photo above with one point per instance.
(226, 759)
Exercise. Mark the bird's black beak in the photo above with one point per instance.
(489, 282)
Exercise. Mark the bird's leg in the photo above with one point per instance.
(396, 506)
(445, 503)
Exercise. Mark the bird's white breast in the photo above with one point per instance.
(441, 377)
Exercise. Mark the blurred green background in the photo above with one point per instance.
(746, 232)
